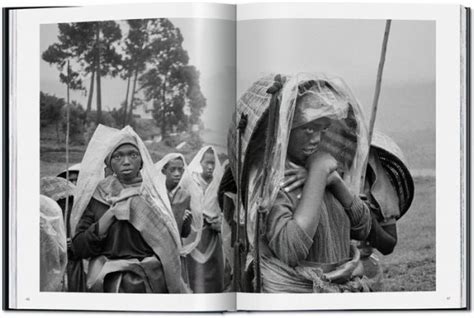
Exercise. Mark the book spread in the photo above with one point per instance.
(214, 157)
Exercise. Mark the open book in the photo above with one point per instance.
(210, 157)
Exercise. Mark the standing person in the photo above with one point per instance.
(306, 233)
(62, 191)
(53, 250)
(171, 168)
(206, 262)
(125, 225)
(388, 193)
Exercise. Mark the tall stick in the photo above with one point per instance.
(66, 208)
(378, 84)
(67, 148)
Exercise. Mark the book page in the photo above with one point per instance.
(124, 114)
(340, 215)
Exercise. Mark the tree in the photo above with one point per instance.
(60, 56)
(77, 121)
(138, 50)
(196, 100)
(92, 45)
(51, 111)
(169, 82)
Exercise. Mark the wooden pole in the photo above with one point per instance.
(66, 208)
(378, 84)
(67, 212)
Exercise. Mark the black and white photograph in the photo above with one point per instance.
(134, 116)
(337, 186)
(211, 157)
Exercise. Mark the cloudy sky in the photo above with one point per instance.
(350, 49)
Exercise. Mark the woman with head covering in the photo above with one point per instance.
(388, 192)
(125, 224)
(206, 262)
(306, 233)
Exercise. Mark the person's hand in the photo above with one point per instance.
(334, 178)
(187, 218)
(321, 160)
(294, 178)
(215, 224)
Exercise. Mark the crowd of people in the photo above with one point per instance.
(318, 200)
(136, 226)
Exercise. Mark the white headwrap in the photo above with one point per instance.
(205, 202)
(194, 237)
(92, 172)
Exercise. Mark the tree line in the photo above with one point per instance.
(149, 58)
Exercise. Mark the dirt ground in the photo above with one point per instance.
(412, 265)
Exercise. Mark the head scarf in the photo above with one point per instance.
(204, 202)
(194, 237)
(125, 140)
(336, 102)
(104, 141)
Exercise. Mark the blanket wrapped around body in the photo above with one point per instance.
(311, 277)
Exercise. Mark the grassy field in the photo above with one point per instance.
(412, 266)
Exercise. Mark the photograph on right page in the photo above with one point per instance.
(333, 147)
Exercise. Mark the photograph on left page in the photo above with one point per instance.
(134, 116)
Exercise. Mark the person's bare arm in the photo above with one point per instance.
(338, 187)
(320, 166)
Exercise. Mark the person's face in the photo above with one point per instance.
(174, 171)
(126, 162)
(305, 140)
(208, 163)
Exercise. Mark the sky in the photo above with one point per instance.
(350, 49)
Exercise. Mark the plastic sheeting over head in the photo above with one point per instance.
(102, 143)
(345, 139)
(53, 245)
(196, 225)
